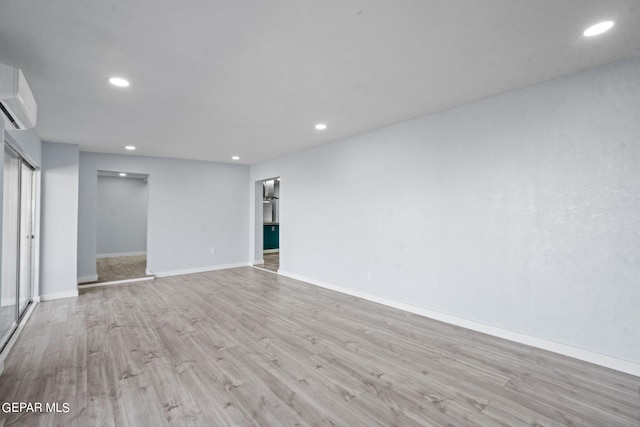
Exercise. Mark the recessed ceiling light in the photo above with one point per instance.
(598, 28)
(122, 174)
(119, 81)
(321, 126)
(129, 147)
(235, 158)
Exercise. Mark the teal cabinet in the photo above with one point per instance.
(271, 236)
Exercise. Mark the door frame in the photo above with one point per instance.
(258, 241)
(25, 163)
(102, 173)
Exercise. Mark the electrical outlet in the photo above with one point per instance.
(369, 276)
(213, 251)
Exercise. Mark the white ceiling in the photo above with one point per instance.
(212, 79)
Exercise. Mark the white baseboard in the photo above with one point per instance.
(59, 295)
(86, 279)
(257, 267)
(200, 269)
(120, 254)
(115, 282)
(271, 251)
(258, 261)
(563, 349)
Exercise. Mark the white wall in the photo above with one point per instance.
(521, 212)
(193, 206)
(59, 220)
(121, 215)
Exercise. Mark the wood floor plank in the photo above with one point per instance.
(111, 269)
(251, 348)
(271, 261)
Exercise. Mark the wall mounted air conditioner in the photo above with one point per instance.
(17, 104)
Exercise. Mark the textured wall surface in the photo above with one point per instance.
(193, 206)
(59, 219)
(521, 211)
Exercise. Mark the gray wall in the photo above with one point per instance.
(193, 206)
(121, 215)
(59, 220)
(520, 212)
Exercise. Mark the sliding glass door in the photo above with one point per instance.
(10, 227)
(17, 241)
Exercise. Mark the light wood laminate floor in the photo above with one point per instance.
(111, 269)
(245, 347)
(271, 261)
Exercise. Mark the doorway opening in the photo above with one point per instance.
(268, 235)
(121, 226)
(18, 236)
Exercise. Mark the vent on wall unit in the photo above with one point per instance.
(17, 104)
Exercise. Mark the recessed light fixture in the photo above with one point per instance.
(122, 174)
(129, 147)
(119, 81)
(598, 28)
(321, 126)
(235, 158)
